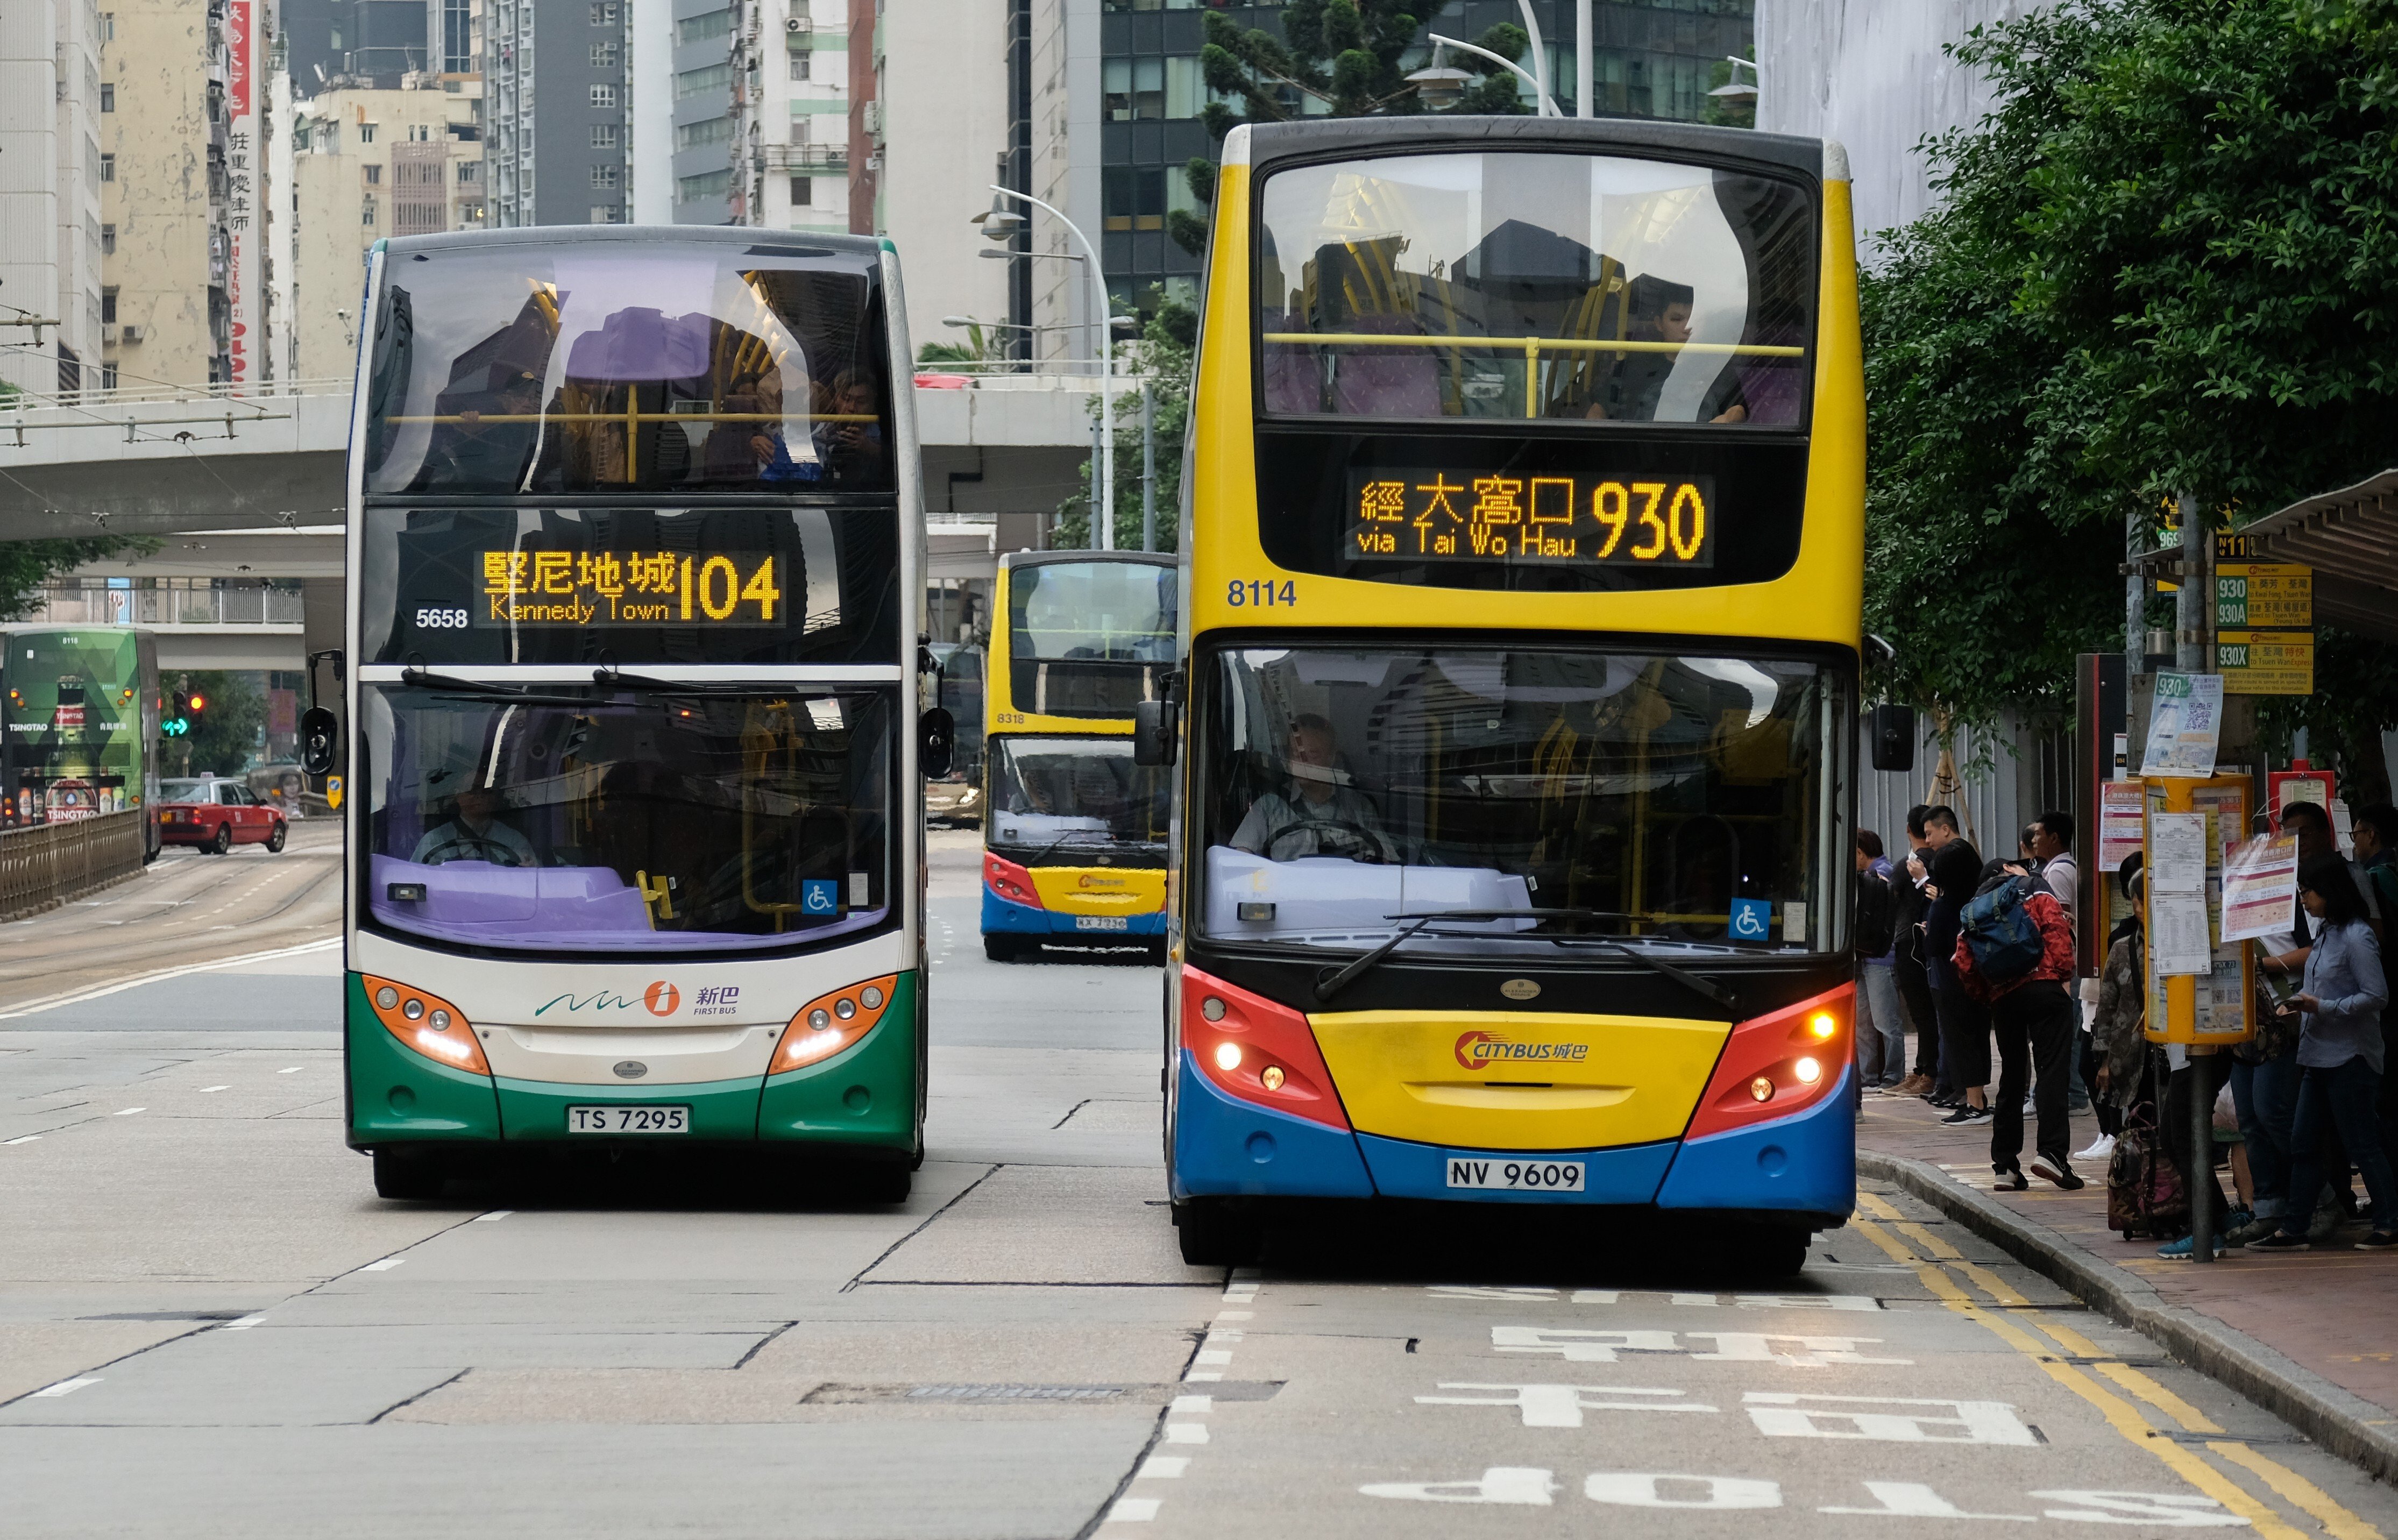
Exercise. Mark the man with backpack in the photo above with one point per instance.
(1881, 1033)
(2014, 949)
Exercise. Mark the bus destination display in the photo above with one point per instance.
(1548, 521)
(540, 587)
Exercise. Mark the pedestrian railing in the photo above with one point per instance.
(49, 864)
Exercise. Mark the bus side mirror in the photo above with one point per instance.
(1153, 725)
(937, 740)
(1893, 738)
(320, 731)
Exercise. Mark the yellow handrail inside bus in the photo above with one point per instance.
(1532, 345)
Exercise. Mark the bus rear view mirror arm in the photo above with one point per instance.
(936, 737)
(1154, 723)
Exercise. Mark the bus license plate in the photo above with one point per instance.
(628, 1120)
(1102, 922)
(1482, 1174)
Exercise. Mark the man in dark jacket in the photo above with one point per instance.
(1964, 1020)
(1906, 965)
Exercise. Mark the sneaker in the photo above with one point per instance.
(2327, 1218)
(2279, 1241)
(2240, 1216)
(2029, 1110)
(2076, 1106)
(2380, 1240)
(1915, 1085)
(1977, 1115)
(2009, 1182)
(1962, 1115)
(2100, 1148)
(2186, 1247)
(1893, 1088)
(2252, 1232)
(2048, 1167)
(1948, 1102)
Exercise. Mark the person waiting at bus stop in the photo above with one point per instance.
(2035, 1021)
(1315, 814)
(474, 833)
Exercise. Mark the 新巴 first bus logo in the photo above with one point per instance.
(1479, 1050)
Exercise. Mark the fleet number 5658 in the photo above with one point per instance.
(436, 620)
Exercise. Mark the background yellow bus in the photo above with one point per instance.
(1524, 535)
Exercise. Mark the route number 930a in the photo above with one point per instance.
(437, 620)
(1259, 592)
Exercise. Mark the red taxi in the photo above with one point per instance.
(216, 815)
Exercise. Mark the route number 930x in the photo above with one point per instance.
(1260, 592)
(437, 620)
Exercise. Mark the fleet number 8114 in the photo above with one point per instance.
(1259, 592)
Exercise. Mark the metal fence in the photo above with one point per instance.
(47, 865)
(171, 601)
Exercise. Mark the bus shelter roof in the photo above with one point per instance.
(2349, 537)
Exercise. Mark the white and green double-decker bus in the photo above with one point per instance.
(634, 711)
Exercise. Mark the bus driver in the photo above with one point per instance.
(1315, 815)
(474, 833)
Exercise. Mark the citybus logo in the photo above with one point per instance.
(1479, 1050)
(662, 998)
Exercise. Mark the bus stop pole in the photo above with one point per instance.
(2202, 1159)
(1148, 466)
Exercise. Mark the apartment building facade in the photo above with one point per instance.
(557, 111)
(788, 69)
(51, 204)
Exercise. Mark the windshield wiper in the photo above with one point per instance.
(1071, 836)
(1332, 983)
(425, 679)
(616, 678)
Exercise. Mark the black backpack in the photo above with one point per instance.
(1876, 918)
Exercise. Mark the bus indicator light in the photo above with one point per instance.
(830, 1023)
(1823, 1024)
(427, 1024)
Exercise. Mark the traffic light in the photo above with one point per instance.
(175, 713)
(196, 703)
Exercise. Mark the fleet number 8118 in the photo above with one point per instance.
(1239, 594)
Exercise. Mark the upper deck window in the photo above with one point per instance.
(1089, 638)
(1572, 287)
(627, 366)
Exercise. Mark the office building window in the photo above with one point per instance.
(691, 135)
(603, 136)
(603, 95)
(699, 29)
(366, 133)
(607, 213)
(1133, 89)
(604, 176)
(374, 176)
(108, 27)
(420, 133)
(603, 13)
(803, 192)
(603, 55)
(469, 172)
(108, 302)
(107, 167)
(108, 240)
(715, 77)
(707, 184)
(108, 376)
(367, 213)
(1134, 197)
(801, 66)
(107, 99)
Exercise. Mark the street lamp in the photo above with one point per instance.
(1440, 84)
(1737, 90)
(1100, 311)
(1547, 108)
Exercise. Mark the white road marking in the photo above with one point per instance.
(129, 1112)
(1186, 1433)
(1213, 1355)
(1561, 1405)
(1813, 1352)
(1203, 1376)
(1576, 1344)
(1519, 1486)
(293, 1069)
(1914, 1500)
(245, 1322)
(2176, 1510)
(207, 1090)
(1191, 1406)
(1236, 1315)
(386, 1266)
(1132, 1510)
(20, 1139)
(1781, 1416)
(79, 996)
(495, 1214)
(1163, 1467)
(67, 1387)
(1634, 1488)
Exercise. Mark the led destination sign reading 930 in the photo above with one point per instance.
(1544, 521)
(630, 588)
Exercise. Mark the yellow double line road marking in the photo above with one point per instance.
(2120, 1415)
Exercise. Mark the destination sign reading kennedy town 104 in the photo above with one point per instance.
(632, 588)
(1551, 521)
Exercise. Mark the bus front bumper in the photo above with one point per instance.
(1006, 917)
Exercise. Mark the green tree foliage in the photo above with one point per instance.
(979, 347)
(27, 565)
(1334, 59)
(1163, 353)
(2163, 263)
(224, 737)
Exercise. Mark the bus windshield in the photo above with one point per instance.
(629, 366)
(75, 724)
(657, 821)
(1549, 798)
(1088, 639)
(1590, 288)
(1060, 799)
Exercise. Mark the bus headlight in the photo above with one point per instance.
(427, 1024)
(830, 1023)
(1228, 1057)
(1762, 1088)
(1808, 1071)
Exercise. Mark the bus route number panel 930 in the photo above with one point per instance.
(633, 731)
(1514, 737)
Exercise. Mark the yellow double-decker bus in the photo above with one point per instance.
(1515, 796)
(1073, 830)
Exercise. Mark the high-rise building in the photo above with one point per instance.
(185, 200)
(788, 70)
(52, 229)
(940, 100)
(327, 42)
(367, 164)
(557, 111)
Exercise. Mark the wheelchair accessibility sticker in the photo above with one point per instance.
(1752, 919)
(819, 896)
